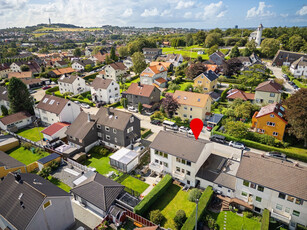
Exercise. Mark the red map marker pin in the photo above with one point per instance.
(196, 126)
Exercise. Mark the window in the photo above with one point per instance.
(165, 164)
(246, 183)
(107, 128)
(258, 198)
(260, 188)
(244, 194)
(191, 109)
(185, 108)
(177, 169)
(257, 210)
(99, 135)
(275, 134)
(199, 82)
(271, 101)
(272, 94)
(282, 108)
(282, 196)
(114, 131)
(47, 204)
(184, 115)
(287, 210)
(253, 185)
(278, 206)
(129, 130)
(191, 116)
(178, 159)
(188, 173)
(272, 115)
(189, 163)
(299, 201)
(290, 198)
(98, 126)
(182, 170)
(260, 130)
(188, 182)
(115, 139)
(131, 119)
(165, 155)
(296, 213)
(157, 161)
(183, 161)
(156, 152)
(270, 124)
(108, 137)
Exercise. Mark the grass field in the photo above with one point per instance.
(173, 200)
(59, 183)
(26, 156)
(39, 34)
(134, 184)
(33, 134)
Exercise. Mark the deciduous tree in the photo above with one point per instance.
(213, 39)
(180, 218)
(194, 70)
(269, 47)
(235, 52)
(296, 42)
(236, 129)
(156, 216)
(170, 105)
(77, 52)
(138, 61)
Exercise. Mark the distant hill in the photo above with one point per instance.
(59, 25)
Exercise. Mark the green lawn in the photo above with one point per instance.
(299, 84)
(32, 134)
(129, 83)
(26, 156)
(235, 222)
(59, 183)
(173, 200)
(134, 184)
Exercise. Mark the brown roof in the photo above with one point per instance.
(14, 118)
(4, 67)
(56, 106)
(100, 83)
(81, 126)
(54, 128)
(67, 78)
(63, 71)
(275, 174)
(269, 86)
(153, 70)
(20, 75)
(118, 66)
(272, 108)
(100, 57)
(192, 99)
(160, 80)
(165, 64)
(148, 228)
(236, 93)
(31, 81)
(140, 90)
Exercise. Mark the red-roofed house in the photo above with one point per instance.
(56, 130)
(236, 93)
(268, 92)
(270, 120)
(154, 75)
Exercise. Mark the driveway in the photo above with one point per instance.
(39, 94)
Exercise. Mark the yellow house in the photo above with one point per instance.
(9, 164)
(192, 105)
(270, 120)
(207, 80)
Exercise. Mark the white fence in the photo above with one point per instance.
(80, 166)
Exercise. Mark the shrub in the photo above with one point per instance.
(224, 94)
(145, 133)
(157, 115)
(194, 195)
(153, 195)
(180, 218)
(100, 150)
(202, 205)
(4, 110)
(114, 105)
(265, 222)
(124, 102)
(26, 145)
(80, 97)
(156, 217)
(45, 172)
(51, 90)
(248, 214)
(212, 225)
(140, 107)
(54, 165)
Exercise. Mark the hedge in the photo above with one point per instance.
(203, 202)
(114, 105)
(265, 221)
(153, 195)
(51, 90)
(82, 101)
(145, 133)
(92, 76)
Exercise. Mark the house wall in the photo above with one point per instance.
(109, 95)
(111, 73)
(185, 112)
(266, 98)
(4, 223)
(90, 206)
(4, 171)
(9, 144)
(136, 99)
(207, 85)
(73, 88)
(69, 112)
(20, 124)
(132, 164)
(77, 66)
(4, 73)
(59, 215)
(299, 72)
(15, 68)
(60, 134)
(46, 117)
(88, 141)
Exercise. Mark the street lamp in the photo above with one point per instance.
(196, 201)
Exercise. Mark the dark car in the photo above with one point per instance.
(218, 138)
(46, 87)
(278, 155)
(156, 122)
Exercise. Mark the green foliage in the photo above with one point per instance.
(45, 172)
(170, 105)
(24, 68)
(51, 90)
(123, 51)
(213, 39)
(153, 195)
(180, 218)
(296, 42)
(99, 149)
(139, 64)
(173, 87)
(251, 45)
(124, 102)
(4, 110)
(202, 205)
(54, 165)
(67, 94)
(224, 94)
(145, 133)
(235, 52)
(77, 52)
(26, 145)
(140, 107)
(269, 47)
(156, 217)
(211, 223)
(236, 128)
(188, 87)
(265, 222)
(88, 68)
(194, 194)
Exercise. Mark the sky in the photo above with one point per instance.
(200, 14)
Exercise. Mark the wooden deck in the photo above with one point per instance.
(236, 201)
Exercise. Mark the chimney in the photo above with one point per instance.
(88, 117)
(17, 177)
(108, 111)
(139, 84)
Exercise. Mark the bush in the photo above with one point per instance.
(145, 133)
(194, 195)
(248, 214)
(114, 105)
(80, 97)
(124, 102)
(156, 217)
(153, 195)
(140, 107)
(51, 90)
(45, 172)
(224, 94)
(4, 110)
(100, 150)
(26, 145)
(54, 165)
(180, 218)
(202, 205)
(157, 115)
(265, 222)
(212, 225)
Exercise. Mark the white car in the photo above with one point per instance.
(237, 145)
(77, 102)
(183, 129)
(149, 113)
(85, 106)
(132, 109)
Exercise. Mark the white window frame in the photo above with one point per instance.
(108, 137)
(107, 128)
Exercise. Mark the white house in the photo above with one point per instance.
(105, 90)
(115, 70)
(299, 68)
(256, 35)
(56, 130)
(128, 62)
(73, 84)
(175, 59)
(125, 160)
(80, 65)
(52, 109)
(17, 120)
(4, 99)
(156, 74)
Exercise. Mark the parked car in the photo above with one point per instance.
(218, 138)
(237, 145)
(32, 91)
(278, 155)
(149, 113)
(77, 102)
(286, 78)
(291, 83)
(132, 109)
(85, 106)
(156, 122)
(183, 129)
(210, 127)
(46, 87)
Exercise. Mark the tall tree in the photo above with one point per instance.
(269, 47)
(236, 128)
(213, 39)
(139, 63)
(173, 87)
(123, 51)
(213, 49)
(251, 45)
(19, 96)
(296, 42)
(112, 54)
(232, 66)
(24, 68)
(170, 105)
(77, 52)
(200, 37)
(194, 70)
(189, 39)
(296, 114)
(235, 52)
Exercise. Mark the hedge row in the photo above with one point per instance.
(82, 101)
(51, 90)
(145, 133)
(92, 76)
(114, 105)
(265, 221)
(153, 195)
(203, 202)
(256, 145)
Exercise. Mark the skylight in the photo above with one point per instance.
(45, 100)
(4, 92)
(51, 102)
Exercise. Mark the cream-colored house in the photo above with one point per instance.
(192, 105)
(268, 92)
(208, 81)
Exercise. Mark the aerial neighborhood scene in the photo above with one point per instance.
(153, 115)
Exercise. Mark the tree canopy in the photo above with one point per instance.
(194, 70)
(139, 63)
(170, 105)
(269, 47)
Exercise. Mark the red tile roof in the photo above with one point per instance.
(142, 90)
(269, 86)
(236, 93)
(54, 128)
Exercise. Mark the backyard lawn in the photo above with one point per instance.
(173, 200)
(59, 183)
(26, 156)
(129, 83)
(32, 134)
(235, 222)
(134, 184)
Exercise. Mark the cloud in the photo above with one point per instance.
(184, 5)
(166, 13)
(260, 11)
(302, 11)
(150, 13)
(187, 15)
(12, 4)
(128, 12)
(284, 15)
(213, 10)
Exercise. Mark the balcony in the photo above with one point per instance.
(156, 167)
(179, 175)
(286, 218)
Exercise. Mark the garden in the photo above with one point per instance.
(132, 183)
(33, 134)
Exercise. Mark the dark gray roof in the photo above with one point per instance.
(49, 158)
(211, 170)
(99, 191)
(85, 62)
(81, 126)
(275, 174)
(33, 195)
(215, 118)
(8, 161)
(179, 145)
(3, 94)
(100, 83)
(215, 95)
(211, 75)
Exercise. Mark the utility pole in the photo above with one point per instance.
(196, 201)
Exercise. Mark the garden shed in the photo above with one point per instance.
(124, 160)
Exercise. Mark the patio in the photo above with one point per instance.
(67, 175)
